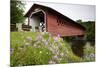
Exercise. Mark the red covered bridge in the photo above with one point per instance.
(44, 18)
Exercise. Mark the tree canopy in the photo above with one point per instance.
(17, 10)
(90, 29)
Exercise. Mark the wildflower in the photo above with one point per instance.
(92, 55)
(56, 39)
(59, 45)
(60, 59)
(58, 36)
(51, 62)
(20, 48)
(35, 45)
(26, 44)
(62, 54)
(11, 50)
(57, 53)
(55, 57)
(55, 47)
(50, 49)
(39, 37)
(42, 33)
(86, 56)
(29, 38)
(46, 42)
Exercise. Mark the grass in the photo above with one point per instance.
(34, 48)
(18, 38)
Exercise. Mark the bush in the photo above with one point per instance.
(30, 48)
(89, 53)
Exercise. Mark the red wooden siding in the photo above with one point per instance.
(68, 29)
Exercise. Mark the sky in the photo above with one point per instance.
(73, 11)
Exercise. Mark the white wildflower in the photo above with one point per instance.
(35, 45)
(26, 44)
(92, 55)
(29, 38)
(20, 48)
(57, 52)
(42, 33)
(62, 54)
(50, 49)
(51, 62)
(53, 50)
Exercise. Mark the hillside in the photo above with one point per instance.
(34, 48)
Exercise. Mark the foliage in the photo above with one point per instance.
(28, 48)
(90, 29)
(89, 53)
(79, 21)
(17, 9)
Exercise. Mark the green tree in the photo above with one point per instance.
(90, 29)
(17, 10)
(79, 21)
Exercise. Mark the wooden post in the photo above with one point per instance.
(28, 21)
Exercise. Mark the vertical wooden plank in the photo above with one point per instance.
(28, 21)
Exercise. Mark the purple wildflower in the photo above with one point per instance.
(46, 42)
(58, 36)
(11, 50)
(39, 37)
(55, 57)
(56, 39)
